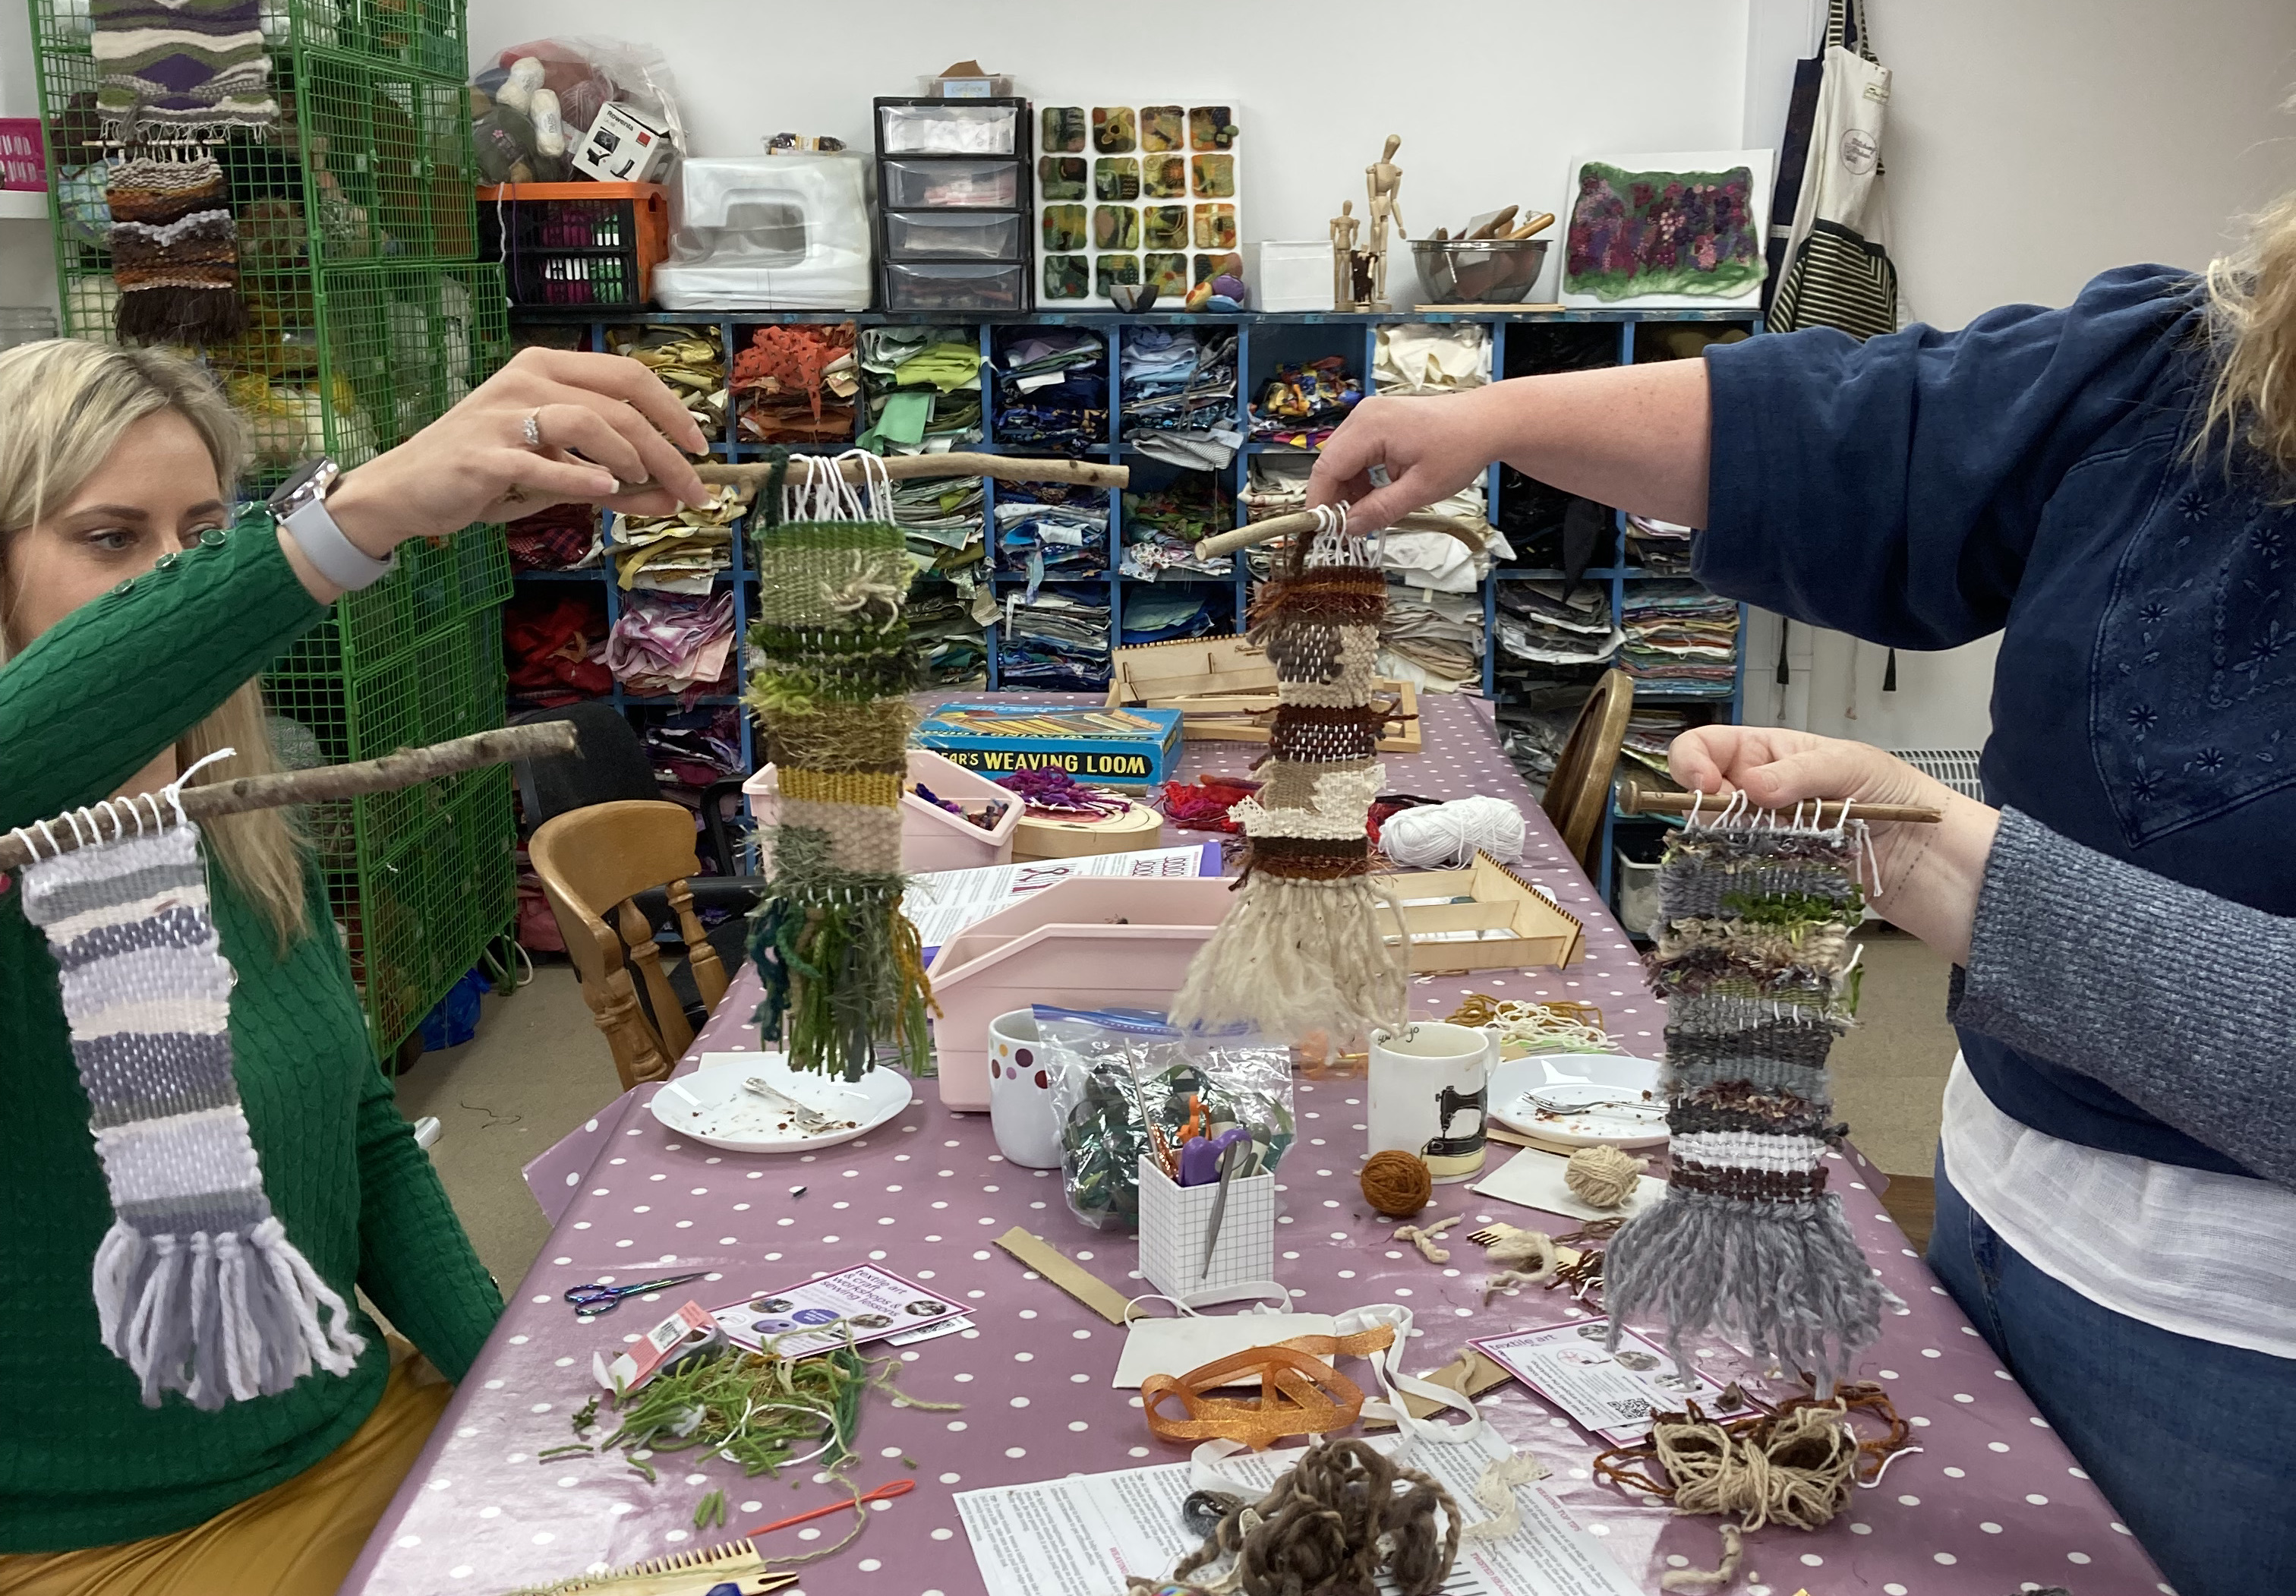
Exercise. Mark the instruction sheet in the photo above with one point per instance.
(875, 1303)
(941, 903)
(1613, 1394)
(1086, 1535)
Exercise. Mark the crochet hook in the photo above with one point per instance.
(899, 1487)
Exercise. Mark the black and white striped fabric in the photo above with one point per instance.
(1837, 279)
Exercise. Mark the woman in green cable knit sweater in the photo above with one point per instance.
(131, 626)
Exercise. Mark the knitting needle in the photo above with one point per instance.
(1637, 799)
(899, 1487)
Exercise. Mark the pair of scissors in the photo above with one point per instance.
(591, 1300)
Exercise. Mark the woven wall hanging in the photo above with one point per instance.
(1305, 945)
(1755, 961)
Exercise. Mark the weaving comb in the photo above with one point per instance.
(683, 1573)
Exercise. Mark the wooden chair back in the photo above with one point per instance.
(1580, 786)
(591, 863)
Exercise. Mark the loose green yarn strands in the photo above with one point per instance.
(842, 967)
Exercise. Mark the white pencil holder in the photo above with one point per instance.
(1175, 1220)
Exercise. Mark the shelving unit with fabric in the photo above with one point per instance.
(367, 317)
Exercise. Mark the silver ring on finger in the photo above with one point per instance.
(532, 426)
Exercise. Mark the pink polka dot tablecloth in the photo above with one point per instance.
(1991, 1504)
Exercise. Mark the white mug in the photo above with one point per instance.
(1430, 1087)
(1020, 1093)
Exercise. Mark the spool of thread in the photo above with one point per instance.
(1603, 1177)
(1397, 1185)
(1448, 835)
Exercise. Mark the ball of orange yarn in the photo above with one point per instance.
(1397, 1185)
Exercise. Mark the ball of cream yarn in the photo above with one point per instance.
(1448, 835)
(1603, 1177)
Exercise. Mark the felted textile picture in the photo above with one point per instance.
(1060, 176)
(1164, 177)
(1662, 232)
(1160, 127)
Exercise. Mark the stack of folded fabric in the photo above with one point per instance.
(1440, 561)
(947, 620)
(670, 645)
(692, 367)
(1681, 638)
(941, 519)
(923, 385)
(949, 602)
(1052, 529)
(1057, 641)
(1650, 732)
(1539, 625)
(1052, 390)
(1164, 614)
(798, 384)
(555, 647)
(1301, 405)
(1177, 395)
(694, 748)
(1432, 640)
(677, 553)
(1431, 357)
(1658, 545)
(1163, 525)
(1277, 486)
(563, 538)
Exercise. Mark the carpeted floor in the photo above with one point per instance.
(539, 1068)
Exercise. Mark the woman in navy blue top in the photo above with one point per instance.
(2108, 487)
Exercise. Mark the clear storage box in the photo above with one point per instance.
(961, 235)
(951, 185)
(954, 286)
(948, 127)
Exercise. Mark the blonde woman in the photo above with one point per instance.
(133, 624)
(2111, 488)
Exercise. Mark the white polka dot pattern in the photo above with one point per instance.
(1962, 1515)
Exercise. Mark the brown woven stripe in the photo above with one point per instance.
(1310, 734)
(1750, 1185)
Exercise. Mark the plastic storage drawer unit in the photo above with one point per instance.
(912, 285)
(947, 127)
(954, 235)
(951, 185)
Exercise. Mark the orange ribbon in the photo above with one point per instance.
(1300, 1393)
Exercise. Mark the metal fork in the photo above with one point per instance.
(812, 1121)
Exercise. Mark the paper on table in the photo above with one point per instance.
(1611, 1394)
(1175, 1346)
(1535, 1180)
(941, 903)
(1085, 1534)
(868, 1302)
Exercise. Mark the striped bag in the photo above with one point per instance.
(1837, 273)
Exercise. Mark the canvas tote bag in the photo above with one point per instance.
(1838, 271)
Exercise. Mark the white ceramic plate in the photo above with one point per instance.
(1588, 1083)
(712, 1106)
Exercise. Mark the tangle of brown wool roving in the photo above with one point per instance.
(1306, 945)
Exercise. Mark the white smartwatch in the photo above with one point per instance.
(300, 504)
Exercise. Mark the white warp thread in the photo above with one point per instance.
(1437, 835)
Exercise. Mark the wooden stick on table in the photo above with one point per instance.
(751, 475)
(1637, 799)
(1304, 520)
(315, 786)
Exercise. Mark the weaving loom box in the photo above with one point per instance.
(1224, 691)
(1484, 917)
(1105, 748)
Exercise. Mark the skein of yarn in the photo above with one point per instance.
(1440, 835)
(1603, 1177)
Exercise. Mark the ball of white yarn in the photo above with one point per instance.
(1447, 835)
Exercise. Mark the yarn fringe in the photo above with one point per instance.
(1785, 1279)
(218, 1317)
(182, 316)
(1294, 956)
(843, 969)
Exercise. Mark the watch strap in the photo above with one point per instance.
(324, 544)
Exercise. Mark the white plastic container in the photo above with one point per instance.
(931, 837)
(1638, 907)
(1289, 274)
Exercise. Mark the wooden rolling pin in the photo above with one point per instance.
(1533, 226)
(750, 475)
(1304, 520)
(1633, 798)
(318, 785)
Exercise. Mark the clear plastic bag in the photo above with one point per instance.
(1118, 1072)
(583, 74)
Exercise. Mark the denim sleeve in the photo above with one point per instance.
(1893, 489)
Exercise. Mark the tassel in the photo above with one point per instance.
(1295, 955)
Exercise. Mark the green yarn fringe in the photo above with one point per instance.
(843, 970)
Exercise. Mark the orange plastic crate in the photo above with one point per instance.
(566, 244)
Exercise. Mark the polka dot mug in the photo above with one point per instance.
(1020, 1094)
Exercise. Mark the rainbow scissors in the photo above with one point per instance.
(591, 1300)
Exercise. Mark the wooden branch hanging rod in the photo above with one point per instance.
(751, 475)
(1637, 799)
(318, 785)
(1301, 521)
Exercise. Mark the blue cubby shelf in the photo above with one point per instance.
(1354, 335)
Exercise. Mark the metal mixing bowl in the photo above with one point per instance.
(1491, 271)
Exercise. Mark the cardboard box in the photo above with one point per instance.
(624, 145)
(1102, 748)
(1225, 690)
(1484, 917)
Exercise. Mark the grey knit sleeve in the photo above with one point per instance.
(2179, 1000)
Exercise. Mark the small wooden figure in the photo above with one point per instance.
(1343, 256)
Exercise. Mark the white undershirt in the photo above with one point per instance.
(2188, 1250)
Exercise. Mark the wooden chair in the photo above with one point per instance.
(592, 863)
(1580, 786)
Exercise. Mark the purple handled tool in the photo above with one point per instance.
(1199, 1160)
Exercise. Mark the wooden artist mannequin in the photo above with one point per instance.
(1344, 227)
(1383, 179)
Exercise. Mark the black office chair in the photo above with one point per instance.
(610, 763)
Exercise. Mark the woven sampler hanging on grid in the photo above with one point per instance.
(843, 970)
(198, 1288)
(1756, 964)
(174, 78)
(1306, 946)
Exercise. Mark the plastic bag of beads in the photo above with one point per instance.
(1127, 1085)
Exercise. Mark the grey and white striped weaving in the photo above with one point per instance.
(197, 1287)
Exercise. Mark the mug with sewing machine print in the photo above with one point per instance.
(1430, 1085)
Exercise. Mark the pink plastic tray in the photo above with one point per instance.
(1103, 942)
(931, 837)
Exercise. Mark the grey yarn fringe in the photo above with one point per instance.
(1298, 956)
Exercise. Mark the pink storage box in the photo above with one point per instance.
(1109, 942)
(23, 162)
(931, 837)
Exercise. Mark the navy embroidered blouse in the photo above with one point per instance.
(2030, 475)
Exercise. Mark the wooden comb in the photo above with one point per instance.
(684, 1573)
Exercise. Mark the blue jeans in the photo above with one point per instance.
(2189, 1440)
